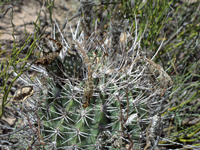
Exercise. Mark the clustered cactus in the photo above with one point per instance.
(98, 94)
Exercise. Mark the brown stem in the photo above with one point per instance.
(38, 134)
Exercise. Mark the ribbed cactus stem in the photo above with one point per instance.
(105, 107)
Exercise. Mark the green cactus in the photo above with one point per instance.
(90, 99)
(88, 103)
(119, 110)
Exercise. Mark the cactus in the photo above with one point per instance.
(90, 103)
(88, 100)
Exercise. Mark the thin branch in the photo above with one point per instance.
(10, 133)
(1, 16)
(184, 25)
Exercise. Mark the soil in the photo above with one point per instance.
(25, 13)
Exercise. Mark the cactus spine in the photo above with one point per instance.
(111, 107)
(112, 103)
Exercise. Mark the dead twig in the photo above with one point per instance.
(1, 16)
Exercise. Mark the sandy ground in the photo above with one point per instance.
(26, 12)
